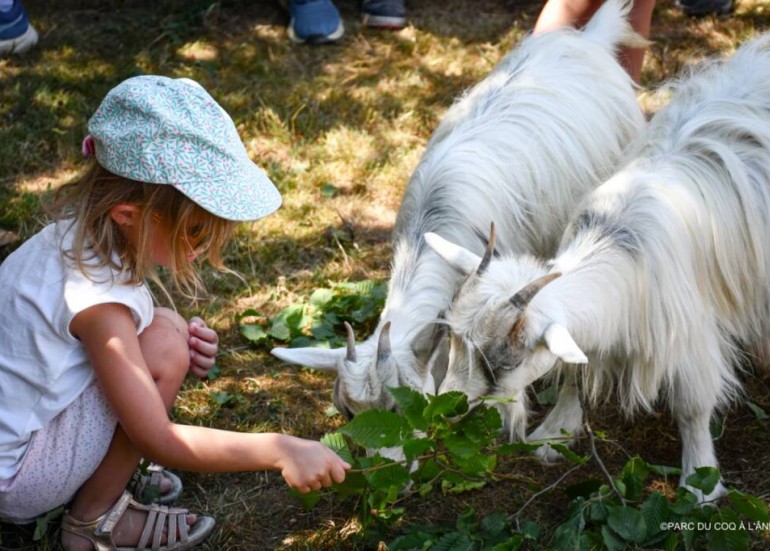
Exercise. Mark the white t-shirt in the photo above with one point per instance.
(43, 368)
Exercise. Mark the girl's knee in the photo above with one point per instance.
(165, 344)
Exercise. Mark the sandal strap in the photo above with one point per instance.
(112, 516)
(99, 531)
(158, 517)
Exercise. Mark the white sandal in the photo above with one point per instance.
(179, 534)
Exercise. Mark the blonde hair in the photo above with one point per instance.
(99, 242)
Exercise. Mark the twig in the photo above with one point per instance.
(598, 459)
(545, 490)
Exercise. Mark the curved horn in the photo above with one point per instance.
(351, 352)
(525, 295)
(383, 344)
(489, 252)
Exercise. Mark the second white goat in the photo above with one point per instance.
(662, 273)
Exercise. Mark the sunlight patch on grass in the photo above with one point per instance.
(198, 51)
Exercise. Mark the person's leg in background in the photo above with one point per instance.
(575, 13)
(319, 21)
(383, 14)
(17, 35)
(314, 21)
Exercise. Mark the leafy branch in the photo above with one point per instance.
(452, 448)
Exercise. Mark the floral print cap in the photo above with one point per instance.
(171, 131)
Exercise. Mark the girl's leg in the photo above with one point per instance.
(165, 350)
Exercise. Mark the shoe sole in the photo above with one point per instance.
(320, 39)
(21, 44)
(383, 21)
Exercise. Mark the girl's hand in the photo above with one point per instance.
(203, 347)
(309, 465)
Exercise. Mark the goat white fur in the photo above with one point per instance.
(665, 269)
(546, 126)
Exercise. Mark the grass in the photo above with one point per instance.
(339, 129)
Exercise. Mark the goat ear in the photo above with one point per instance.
(317, 358)
(459, 258)
(563, 346)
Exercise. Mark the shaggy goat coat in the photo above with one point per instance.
(521, 147)
(662, 272)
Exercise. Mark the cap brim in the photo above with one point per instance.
(248, 195)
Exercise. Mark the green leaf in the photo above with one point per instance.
(655, 511)
(477, 465)
(253, 332)
(685, 501)
(303, 341)
(598, 512)
(449, 404)
(530, 530)
(389, 474)
(627, 523)
(412, 405)
(454, 541)
(518, 447)
(549, 396)
(461, 446)
(416, 447)
(308, 500)
(287, 323)
(329, 190)
(322, 329)
(337, 443)
(355, 484)
(321, 297)
(377, 428)
(41, 523)
(634, 473)
(717, 427)
(460, 486)
(467, 521)
(704, 479)
(664, 470)
(758, 412)
(749, 506)
(726, 532)
(566, 536)
(611, 540)
(636, 466)
(568, 453)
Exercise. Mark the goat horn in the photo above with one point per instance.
(351, 354)
(489, 252)
(383, 344)
(525, 295)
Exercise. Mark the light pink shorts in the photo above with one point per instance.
(60, 458)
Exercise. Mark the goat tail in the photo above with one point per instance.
(610, 26)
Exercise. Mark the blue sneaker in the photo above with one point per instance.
(16, 34)
(384, 14)
(314, 21)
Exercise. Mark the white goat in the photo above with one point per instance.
(662, 272)
(523, 146)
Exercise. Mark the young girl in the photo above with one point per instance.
(88, 367)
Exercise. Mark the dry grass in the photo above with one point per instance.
(354, 115)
